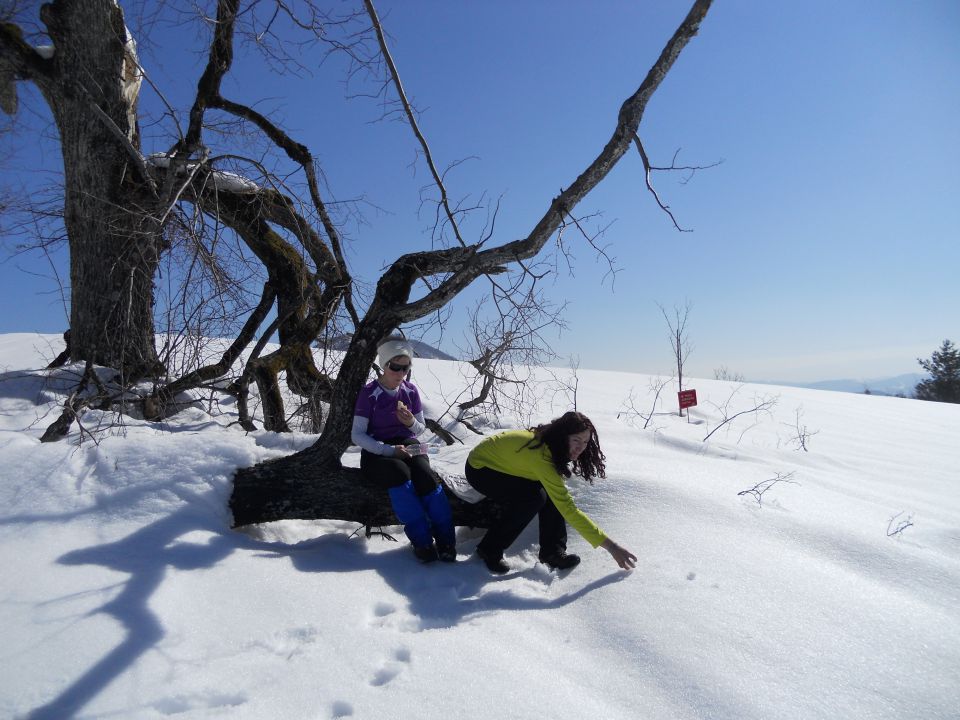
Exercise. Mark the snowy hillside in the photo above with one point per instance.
(771, 583)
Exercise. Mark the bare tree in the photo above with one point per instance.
(123, 210)
(679, 339)
(725, 373)
(255, 497)
(566, 387)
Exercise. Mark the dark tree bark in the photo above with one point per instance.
(111, 212)
(307, 491)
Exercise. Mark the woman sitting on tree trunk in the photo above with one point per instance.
(387, 419)
(524, 472)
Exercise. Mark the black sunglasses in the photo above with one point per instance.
(396, 367)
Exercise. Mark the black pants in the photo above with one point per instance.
(388, 472)
(519, 500)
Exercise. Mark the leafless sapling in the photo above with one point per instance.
(802, 432)
(680, 343)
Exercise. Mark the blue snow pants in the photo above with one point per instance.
(416, 495)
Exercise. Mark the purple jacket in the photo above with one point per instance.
(380, 408)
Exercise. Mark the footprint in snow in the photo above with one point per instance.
(391, 668)
(385, 615)
(212, 700)
(382, 609)
(341, 709)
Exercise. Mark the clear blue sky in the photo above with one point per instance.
(825, 245)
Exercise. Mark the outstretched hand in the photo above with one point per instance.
(623, 557)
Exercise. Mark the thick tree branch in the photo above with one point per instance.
(19, 61)
(408, 110)
(300, 154)
(218, 64)
(466, 265)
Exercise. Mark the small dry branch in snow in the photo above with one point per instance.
(763, 404)
(630, 404)
(758, 490)
(803, 433)
(895, 527)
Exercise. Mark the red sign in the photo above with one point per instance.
(687, 398)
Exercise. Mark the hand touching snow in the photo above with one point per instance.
(623, 557)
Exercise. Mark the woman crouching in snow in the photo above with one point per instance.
(524, 472)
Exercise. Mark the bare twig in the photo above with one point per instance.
(894, 530)
(656, 385)
(758, 490)
(803, 434)
(411, 118)
(647, 169)
(761, 405)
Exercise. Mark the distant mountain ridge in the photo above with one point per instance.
(420, 349)
(896, 385)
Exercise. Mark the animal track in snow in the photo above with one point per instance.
(391, 668)
(385, 615)
(289, 642)
(341, 709)
(213, 700)
(382, 609)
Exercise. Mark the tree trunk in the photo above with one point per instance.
(113, 259)
(111, 214)
(322, 489)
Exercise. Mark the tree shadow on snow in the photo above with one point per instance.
(442, 595)
(145, 555)
(439, 595)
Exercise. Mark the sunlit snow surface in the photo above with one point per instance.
(125, 594)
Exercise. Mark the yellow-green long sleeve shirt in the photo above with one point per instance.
(505, 453)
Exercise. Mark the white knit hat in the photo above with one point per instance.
(391, 348)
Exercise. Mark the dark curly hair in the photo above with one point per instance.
(555, 434)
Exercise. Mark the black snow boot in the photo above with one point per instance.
(560, 560)
(425, 553)
(447, 553)
(493, 561)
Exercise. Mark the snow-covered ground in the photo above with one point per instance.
(125, 594)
